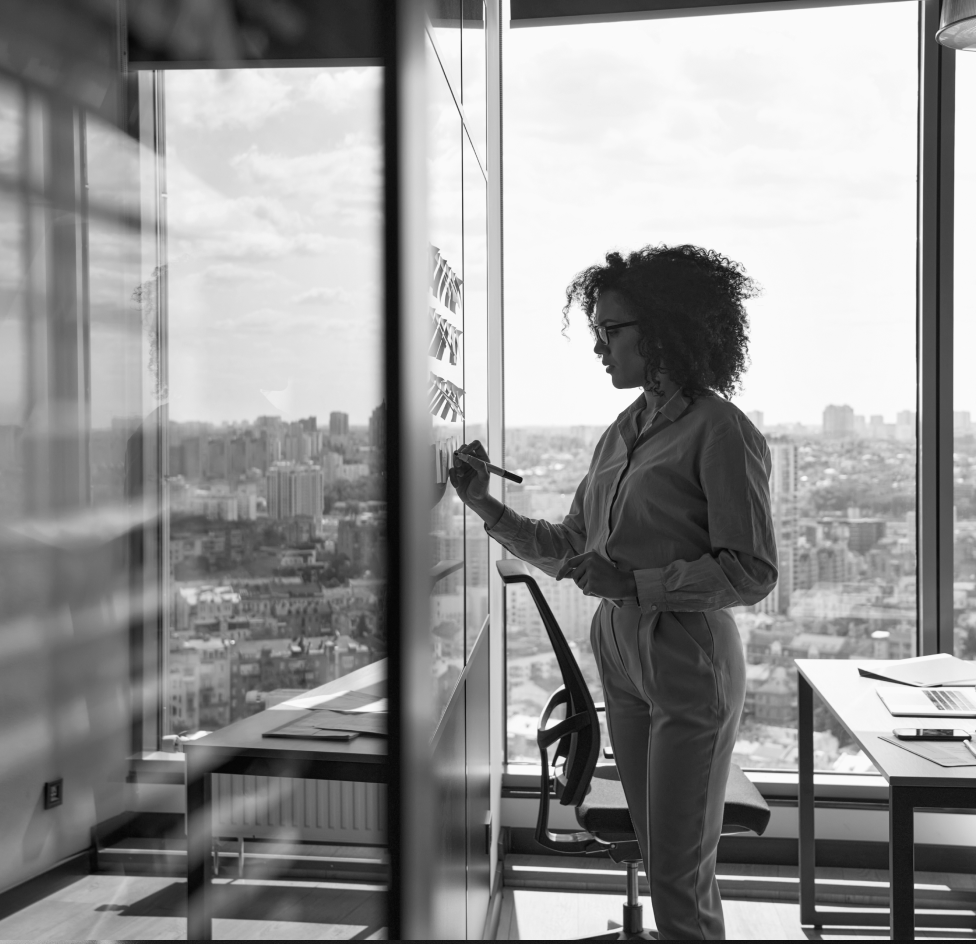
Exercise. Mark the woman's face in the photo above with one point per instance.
(620, 356)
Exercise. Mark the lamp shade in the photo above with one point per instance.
(957, 24)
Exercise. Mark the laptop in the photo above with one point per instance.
(903, 701)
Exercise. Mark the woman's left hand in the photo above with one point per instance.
(597, 577)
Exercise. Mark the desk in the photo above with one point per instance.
(913, 782)
(241, 748)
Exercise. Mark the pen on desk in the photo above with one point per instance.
(969, 746)
(496, 470)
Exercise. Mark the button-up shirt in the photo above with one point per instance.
(682, 503)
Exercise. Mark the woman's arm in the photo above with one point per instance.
(741, 568)
(542, 543)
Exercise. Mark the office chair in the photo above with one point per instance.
(601, 807)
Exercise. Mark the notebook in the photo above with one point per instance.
(906, 702)
(943, 753)
(925, 671)
(332, 725)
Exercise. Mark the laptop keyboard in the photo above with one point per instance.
(949, 700)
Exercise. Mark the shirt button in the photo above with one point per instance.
(653, 606)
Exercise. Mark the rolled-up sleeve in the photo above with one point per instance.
(741, 568)
(544, 544)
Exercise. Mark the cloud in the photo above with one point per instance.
(342, 184)
(235, 273)
(341, 89)
(770, 137)
(228, 98)
(321, 296)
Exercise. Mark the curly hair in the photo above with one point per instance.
(688, 303)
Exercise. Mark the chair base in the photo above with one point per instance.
(632, 929)
(622, 935)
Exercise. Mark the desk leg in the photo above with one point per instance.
(901, 862)
(807, 844)
(198, 853)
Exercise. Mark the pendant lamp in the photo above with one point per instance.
(957, 24)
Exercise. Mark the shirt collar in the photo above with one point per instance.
(627, 421)
(676, 404)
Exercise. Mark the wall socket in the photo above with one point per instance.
(53, 793)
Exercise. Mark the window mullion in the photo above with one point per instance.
(935, 501)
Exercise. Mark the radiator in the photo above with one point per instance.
(287, 809)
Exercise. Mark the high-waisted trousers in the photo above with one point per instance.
(674, 686)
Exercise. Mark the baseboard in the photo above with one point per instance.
(40, 886)
(841, 887)
(843, 854)
(495, 902)
(831, 853)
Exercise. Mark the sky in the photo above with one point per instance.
(275, 221)
(786, 140)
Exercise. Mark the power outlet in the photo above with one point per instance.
(53, 793)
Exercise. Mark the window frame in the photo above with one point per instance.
(934, 280)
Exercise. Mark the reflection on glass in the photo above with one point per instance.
(823, 216)
(446, 356)
(72, 388)
(112, 162)
(11, 127)
(964, 342)
(274, 445)
(14, 363)
(474, 74)
(475, 382)
(445, 28)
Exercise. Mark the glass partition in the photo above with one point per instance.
(458, 352)
(79, 522)
(446, 356)
(475, 381)
(276, 416)
(772, 138)
(474, 77)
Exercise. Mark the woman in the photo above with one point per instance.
(670, 526)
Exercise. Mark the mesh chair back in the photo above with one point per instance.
(581, 747)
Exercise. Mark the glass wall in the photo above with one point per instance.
(782, 141)
(964, 408)
(79, 523)
(276, 417)
(458, 303)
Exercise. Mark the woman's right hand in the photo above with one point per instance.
(468, 474)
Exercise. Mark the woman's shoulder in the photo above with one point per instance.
(719, 415)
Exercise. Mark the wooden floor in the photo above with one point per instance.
(552, 915)
(118, 907)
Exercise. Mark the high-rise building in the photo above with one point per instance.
(216, 463)
(193, 458)
(905, 426)
(756, 418)
(782, 493)
(256, 453)
(864, 533)
(295, 490)
(838, 422)
(377, 437)
(297, 447)
(338, 424)
(237, 458)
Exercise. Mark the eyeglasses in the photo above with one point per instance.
(602, 332)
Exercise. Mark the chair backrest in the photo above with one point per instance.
(580, 746)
